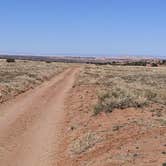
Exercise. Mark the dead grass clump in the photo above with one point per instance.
(84, 143)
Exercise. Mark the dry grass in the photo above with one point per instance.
(124, 86)
(21, 75)
(84, 143)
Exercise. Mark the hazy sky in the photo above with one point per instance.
(103, 27)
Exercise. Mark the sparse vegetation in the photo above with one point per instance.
(10, 60)
(125, 86)
(19, 76)
(84, 143)
(136, 97)
(120, 98)
(136, 63)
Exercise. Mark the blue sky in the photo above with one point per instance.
(87, 27)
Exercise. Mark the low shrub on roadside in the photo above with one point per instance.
(119, 98)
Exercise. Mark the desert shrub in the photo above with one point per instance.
(139, 63)
(84, 143)
(125, 86)
(48, 61)
(9, 60)
(149, 94)
(154, 65)
(119, 98)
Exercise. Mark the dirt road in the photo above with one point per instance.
(30, 124)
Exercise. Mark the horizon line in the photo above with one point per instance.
(82, 54)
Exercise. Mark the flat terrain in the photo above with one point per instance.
(19, 76)
(116, 115)
(91, 115)
(30, 125)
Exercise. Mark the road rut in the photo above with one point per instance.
(31, 124)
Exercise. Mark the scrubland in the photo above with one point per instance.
(21, 75)
(124, 87)
(116, 115)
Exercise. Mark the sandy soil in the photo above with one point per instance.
(54, 125)
(125, 137)
(30, 124)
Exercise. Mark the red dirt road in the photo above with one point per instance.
(30, 124)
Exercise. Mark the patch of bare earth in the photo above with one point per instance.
(130, 136)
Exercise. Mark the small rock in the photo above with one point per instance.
(115, 128)
(135, 155)
(72, 127)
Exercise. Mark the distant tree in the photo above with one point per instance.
(154, 65)
(10, 60)
(48, 61)
(139, 63)
(163, 62)
(113, 63)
